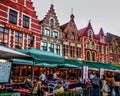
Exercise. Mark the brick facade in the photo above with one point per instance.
(114, 48)
(26, 24)
(95, 46)
(51, 39)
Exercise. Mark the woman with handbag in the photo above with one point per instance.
(105, 88)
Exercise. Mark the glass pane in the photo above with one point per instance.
(20, 35)
(16, 33)
(6, 30)
(20, 40)
(5, 38)
(1, 29)
(16, 39)
(1, 37)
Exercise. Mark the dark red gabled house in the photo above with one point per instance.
(71, 40)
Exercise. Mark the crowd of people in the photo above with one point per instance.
(104, 85)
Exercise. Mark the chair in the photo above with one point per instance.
(79, 91)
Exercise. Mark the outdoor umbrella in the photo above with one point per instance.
(7, 53)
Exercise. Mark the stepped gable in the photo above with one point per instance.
(50, 14)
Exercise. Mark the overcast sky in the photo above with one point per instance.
(102, 13)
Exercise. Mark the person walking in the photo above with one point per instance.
(96, 84)
(104, 83)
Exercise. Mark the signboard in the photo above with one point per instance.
(85, 72)
(101, 72)
(10, 94)
(5, 69)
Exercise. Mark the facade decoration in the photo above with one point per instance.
(51, 39)
(19, 26)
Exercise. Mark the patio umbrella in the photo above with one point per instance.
(7, 53)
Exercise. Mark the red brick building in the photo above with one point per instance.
(71, 40)
(94, 46)
(19, 26)
(114, 48)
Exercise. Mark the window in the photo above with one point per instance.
(78, 52)
(87, 44)
(79, 38)
(13, 17)
(65, 50)
(66, 36)
(90, 34)
(30, 41)
(102, 39)
(47, 32)
(93, 56)
(45, 45)
(88, 56)
(26, 21)
(4, 36)
(104, 50)
(58, 49)
(100, 49)
(93, 45)
(72, 36)
(51, 47)
(72, 51)
(51, 22)
(55, 34)
(18, 40)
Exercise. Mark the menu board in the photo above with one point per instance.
(5, 69)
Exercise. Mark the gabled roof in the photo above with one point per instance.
(64, 26)
(84, 30)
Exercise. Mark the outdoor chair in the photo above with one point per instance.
(79, 91)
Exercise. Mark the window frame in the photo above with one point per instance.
(26, 21)
(13, 17)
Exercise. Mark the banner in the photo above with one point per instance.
(85, 72)
(5, 70)
(101, 72)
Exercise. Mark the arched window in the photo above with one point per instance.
(87, 44)
(93, 45)
(51, 22)
(72, 36)
(88, 56)
(93, 56)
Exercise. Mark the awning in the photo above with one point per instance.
(22, 62)
(8, 53)
(39, 55)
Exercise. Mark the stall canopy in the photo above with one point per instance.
(7, 53)
(39, 55)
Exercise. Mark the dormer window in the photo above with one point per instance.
(90, 34)
(72, 36)
(52, 22)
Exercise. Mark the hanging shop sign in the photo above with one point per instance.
(18, 28)
(101, 72)
(85, 72)
(5, 70)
